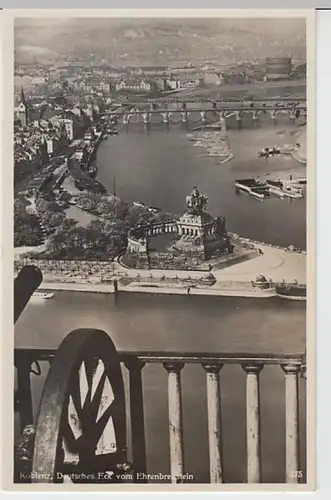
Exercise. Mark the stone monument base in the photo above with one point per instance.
(203, 248)
(189, 245)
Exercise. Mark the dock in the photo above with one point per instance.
(254, 187)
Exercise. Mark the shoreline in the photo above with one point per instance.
(234, 281)
(108, 288)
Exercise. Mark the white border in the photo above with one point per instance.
(324, 271)
(323, 229)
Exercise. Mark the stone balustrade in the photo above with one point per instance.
(174, 363)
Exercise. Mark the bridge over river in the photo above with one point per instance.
(198, 99)
(210, 111)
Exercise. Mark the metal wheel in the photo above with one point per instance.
(81, 425)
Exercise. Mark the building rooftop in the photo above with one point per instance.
(196, 219)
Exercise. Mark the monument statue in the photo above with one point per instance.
(196, 202)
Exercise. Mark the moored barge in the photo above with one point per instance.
(254, 187)
(291, 291)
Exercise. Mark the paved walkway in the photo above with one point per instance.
(224, 289)
(274, 263)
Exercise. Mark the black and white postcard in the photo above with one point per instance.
(160, 166)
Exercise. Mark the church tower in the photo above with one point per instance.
(22, 110)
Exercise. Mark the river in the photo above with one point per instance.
(160, 166)
(155, 322)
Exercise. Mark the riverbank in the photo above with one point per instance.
(277, 265)
(224, 289)
(229, 289)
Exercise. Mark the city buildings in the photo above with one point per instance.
(134, 85)
(278, 68)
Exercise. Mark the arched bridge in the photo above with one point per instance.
(209, 111)
(203, 100)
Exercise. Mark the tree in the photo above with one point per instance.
(69, 224)
(100, 240)
(27, 231)
(48, 206)
(52, 220)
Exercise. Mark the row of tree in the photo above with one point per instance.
(102, 239)
(27, 230)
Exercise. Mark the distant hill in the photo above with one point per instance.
(155, 41)
(30, 54)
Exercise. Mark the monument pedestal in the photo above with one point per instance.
(201, 234)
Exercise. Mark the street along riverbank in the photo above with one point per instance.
(277, 265)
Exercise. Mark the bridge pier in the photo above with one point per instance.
(146, 118)
(184, 116)
(292, 114)
(166, 117)
(239, 119)
(203, 115)
(222, 120)
(273, 116)
(126, 118)
(255, 117)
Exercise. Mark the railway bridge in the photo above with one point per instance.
(209, 111)
(203, 100)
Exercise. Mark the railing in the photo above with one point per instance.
(292, 366)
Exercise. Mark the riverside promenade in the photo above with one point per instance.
(275, 264)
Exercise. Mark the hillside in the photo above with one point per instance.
(154, 41)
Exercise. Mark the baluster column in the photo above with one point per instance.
(214, 422)
(253, 422)
(139, 458)
(175, 420)
(292, 421)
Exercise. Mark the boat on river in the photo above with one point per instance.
(254, 187)
(42, 295)
(291, 291)
(278, 188)
(139, 204)
(301, 180)
(154, 209)
(266, 152)
(299, 183)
